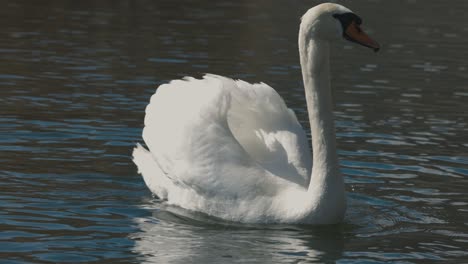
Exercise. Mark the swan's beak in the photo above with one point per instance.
(354, 33)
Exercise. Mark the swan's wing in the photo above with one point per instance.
(269, 131)
(189, 128)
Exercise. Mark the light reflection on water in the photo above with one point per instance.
(78, 75)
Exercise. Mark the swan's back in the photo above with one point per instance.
(222, 139)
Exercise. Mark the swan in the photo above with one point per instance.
(235, 151)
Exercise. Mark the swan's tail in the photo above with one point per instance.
(153, 176)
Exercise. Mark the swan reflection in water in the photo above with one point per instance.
(174, 235)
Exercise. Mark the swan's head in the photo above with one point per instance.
(330, 21)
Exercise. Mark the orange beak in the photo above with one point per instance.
(354, 33)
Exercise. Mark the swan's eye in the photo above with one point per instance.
(347, 19)
(358, 20)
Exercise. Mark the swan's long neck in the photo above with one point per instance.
(326, 186)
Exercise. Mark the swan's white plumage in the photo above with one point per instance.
(205, 154)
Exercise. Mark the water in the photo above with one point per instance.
(76, 77)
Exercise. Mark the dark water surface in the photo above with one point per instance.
(76, 76)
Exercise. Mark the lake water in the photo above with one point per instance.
(76, 77)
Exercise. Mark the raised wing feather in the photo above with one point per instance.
(224, 137)
(269, 131)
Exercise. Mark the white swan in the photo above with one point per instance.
(233, 150)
